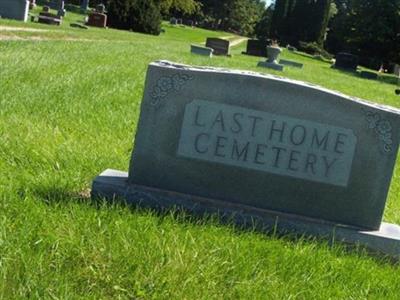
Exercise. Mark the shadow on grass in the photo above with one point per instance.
(233, 222)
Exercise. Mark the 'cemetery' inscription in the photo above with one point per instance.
(267, 142)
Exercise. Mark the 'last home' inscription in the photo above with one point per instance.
(267, 142)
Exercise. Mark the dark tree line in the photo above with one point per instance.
(368, 28)
(240, 16)
(300, 20)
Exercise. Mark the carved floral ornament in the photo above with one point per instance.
(165, 85)
(383, 129)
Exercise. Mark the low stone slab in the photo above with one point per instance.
(49, 19)
(273, 66)
(369, 75)
(291, 63)
(255, 142)
(195, 49)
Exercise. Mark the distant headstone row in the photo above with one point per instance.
(262, 150)
(179, 21)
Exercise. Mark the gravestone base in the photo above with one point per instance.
(291, 63)
(112, 185)
(268, 65)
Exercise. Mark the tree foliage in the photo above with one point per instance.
(369, 28)
(240, 16)
(300, 20)
(137, 15)
(263, 27)
(182, 6)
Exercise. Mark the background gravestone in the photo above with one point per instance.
(14, 9)
(257, 47)
(346, 61)
(220, 46)
(98, 18)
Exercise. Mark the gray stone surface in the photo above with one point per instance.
(201, 50)
(274, 66)
(313, 133)
(14, 9)
(84, 5)
(290, 63)
(256, 147)
(113, 184)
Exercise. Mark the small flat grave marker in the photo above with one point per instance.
(195, 49)
(291, 63)
(281, 152)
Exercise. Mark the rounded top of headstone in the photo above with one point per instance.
(101, 8)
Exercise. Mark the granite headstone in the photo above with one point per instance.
(346, 61)
(220, 46)
(289, 154)
(14, 9)
(257, 47)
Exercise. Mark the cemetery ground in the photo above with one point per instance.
(69, 105)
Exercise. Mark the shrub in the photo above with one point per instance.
(314, 49)
(137, 15)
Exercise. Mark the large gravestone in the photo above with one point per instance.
(98, 18)
(346, 61)
(14, 9)
(220, 46)
(288, 154)
(257, 47)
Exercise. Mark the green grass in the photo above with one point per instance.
(69, 106)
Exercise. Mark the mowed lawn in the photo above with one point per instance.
(69, 107)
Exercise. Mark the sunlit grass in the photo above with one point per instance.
(69, 110)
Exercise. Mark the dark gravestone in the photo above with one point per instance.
(220, 46)
(46, 17)
(369, 75)
(84, 5)
(239, 143)
(189, 23)
(346, 61)
(14, 9)
(257, 48)
(98, 18)
(173, 21)
(61, 11)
